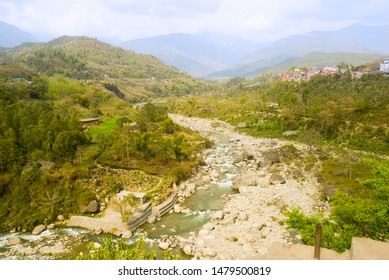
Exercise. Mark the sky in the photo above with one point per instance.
(258, 20)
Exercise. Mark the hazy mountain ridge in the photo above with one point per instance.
(215, 55)
(12, 36)
(198, 54)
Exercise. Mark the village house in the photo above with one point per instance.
(138, 195)
(384, 66)
(90, 121)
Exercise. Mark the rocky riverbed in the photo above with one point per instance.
(232, 208)
(271, 180)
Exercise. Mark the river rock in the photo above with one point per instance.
(177, 208)
(218, 215)
(270, 157)
(151, 219)
(92, 207)
(241, 125)
(276, 179)
(188, 250)
(127, 234)
(51, 226)
(209, 226)
(13, 240)
(191, 187)
(117, 232)
(99, 231)
(214, 173)
(38, 229)
(209, 253)
(203, 232)
(60, 218)
(290, 133)
(207, 179)
(247, 179)
(163, 245)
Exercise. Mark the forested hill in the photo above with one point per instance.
(136, 76)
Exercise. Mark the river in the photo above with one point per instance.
(245, 222)
(202, 204)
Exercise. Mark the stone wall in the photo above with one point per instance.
(139, 218)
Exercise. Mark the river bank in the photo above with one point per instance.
(231, 208)
(271, 181)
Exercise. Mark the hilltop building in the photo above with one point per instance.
(384, 66)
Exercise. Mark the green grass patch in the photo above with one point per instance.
(105, 128)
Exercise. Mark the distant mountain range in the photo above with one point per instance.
(355, 39)
(215, 55)
(11, 36)
(198, 54)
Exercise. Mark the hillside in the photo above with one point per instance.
(137, 76)
(12, 36)
(284, 63)
(326, 59)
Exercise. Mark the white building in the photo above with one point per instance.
(384, 66)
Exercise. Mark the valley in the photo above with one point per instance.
(250, 161)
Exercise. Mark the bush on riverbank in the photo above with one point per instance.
(350, 216)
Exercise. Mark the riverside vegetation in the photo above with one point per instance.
(48, 159)
(51, 165)
(344, 121)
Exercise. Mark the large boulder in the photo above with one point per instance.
(127, 234)
(276, 179)
(92, 207)
(270, 157)
(13, 240)
(246, 179)
(163, 245)
(38, 229)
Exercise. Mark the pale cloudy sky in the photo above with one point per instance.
(259, 20)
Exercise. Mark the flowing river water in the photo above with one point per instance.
(251, 218)
(207, 199)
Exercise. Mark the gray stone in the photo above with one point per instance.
(92, 207)
(270, 157)
(191, 187)
(127, 234)
(203, 232)
(209, 253)
(163, 245)
(218, 215)
(51, 226)
(290, 133)
(177, 208)
(241, 125)
(188, 250)
(207, 179)
(13, 240)
(247, 179)
(38, 229)
(276, 179)
(214, 173)
(97, 245)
